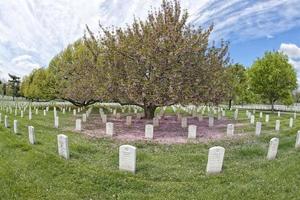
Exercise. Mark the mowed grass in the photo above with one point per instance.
(163, 171)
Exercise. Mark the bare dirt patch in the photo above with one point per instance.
(168, 132)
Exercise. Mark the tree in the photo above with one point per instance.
(38, 85)
(76, 76)
(15, 84)
(237, 82)
(161, 61)
(273, 78)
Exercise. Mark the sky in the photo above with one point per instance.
(33, 31)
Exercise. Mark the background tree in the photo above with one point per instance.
(273, 78)
(161, 61)
(76, 77)
(237, 82)
(14, 83)
(38, 85)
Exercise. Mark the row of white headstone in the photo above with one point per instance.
(128, 154)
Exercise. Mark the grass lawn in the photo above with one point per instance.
(163, 171)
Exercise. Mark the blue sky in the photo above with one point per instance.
(33, 31)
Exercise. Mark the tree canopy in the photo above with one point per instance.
(161, 61)
(273, 78)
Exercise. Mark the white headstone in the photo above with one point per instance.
(278, 113)
(267, 118)
(297, 145)
(295, 115)
(273, 146)
(155, 122)
(74, 112)
(230, 130)
(6, 123)
(31, 134)
(22, 113)
(235, 116)
(128, 120)
(78, 125)
(110, 128)
(184, 122)
(149, 131)
(291, 122)
(15, 126)
(258, 128)
(260, 115)
(104, 119)
(30, 115)
(127, 158)
(210, 121)
(63, 146)
(56, 122)
(83, 117)
(252, 119)
(277, 125)
(215, 160)
(45, 112)
(192, 131)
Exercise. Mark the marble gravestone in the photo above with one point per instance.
(252, 119)
(291, 123)
(149, 131)
(104, 119)
(83, 117)
(215, 160)
(277, 125)
(6, 123)
(31, 135)
(63, 146)
(78, 125)
(273, 146)
(30, 115)
(210, 121)
(297, 145)
(56, 122)
(128, 120)
(155, 122)
(192, 131)
(15, 126)
(230, 130)
(127, 158)
(184, 122)
(267, 118)
(258, 129)
(109, 128)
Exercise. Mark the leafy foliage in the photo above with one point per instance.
(162, 61)
(273, 78)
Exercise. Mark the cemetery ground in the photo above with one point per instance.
(164, 171)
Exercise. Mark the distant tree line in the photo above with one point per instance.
(160, 61)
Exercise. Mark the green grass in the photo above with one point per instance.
(163, 171)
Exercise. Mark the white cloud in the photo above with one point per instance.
(41, 29)
(293, 53)
(292, 50)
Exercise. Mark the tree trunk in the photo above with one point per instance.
(149, 111)
(272, 105)
(229, 104)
